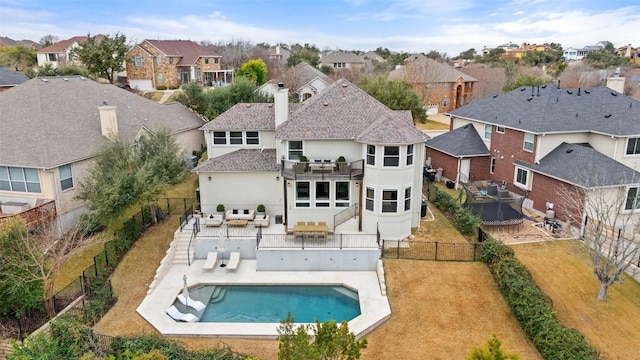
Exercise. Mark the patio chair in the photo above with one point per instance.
(312, 223)
(234, 261)
(188, 301)
(300, 223)
(180, 316)
(210, 263)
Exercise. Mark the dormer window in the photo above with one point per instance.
(138, 60)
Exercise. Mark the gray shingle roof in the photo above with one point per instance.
(582, 165)
(553, 110)
(47, 124)
(11, 78)
(463, 141)
(245, 160)
(426, 70)
(344, 111)
(306, 73)
(244, 116)
(341, 56)
(187, 50)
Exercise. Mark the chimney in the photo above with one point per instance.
(281, 104)
(277, 49)
(108, 120)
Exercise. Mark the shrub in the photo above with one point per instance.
(466, 222)
(220, 208)
(532, 307)
(89, 224)
(130, 231)
(161, 87)
(303, 158)
(444, 202)
(260, 208)
(173, 87)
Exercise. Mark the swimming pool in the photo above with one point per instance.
(271, 303)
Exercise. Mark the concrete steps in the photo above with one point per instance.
(181, 244)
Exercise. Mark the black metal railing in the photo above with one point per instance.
(321, 169)
(318, 240)
(194, 232)
(344, 215)
(429, 250)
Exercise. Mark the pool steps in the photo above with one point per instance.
(347, 292)
(217, 295)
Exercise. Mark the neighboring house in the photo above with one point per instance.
(491, 80)
(535, 140)
(364, 169)
(441, 87)
(59, 54)
(278, 55)
(628, 51)
(372, 60)
(305, 80)
(9, 78)
(53, 127)
(171, 63)
(340, 60)
(521, 51)
(508, 46)
(573, 54)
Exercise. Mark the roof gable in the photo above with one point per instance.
(421, 69)
(53, 121)
(188, 51)
(463, 141)
(11, 78)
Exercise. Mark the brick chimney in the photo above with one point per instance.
(281, 104)
(108, 120)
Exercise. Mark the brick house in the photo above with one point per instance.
(59, 54)
(441, 87)
(341, 60)
(171, 63)
(541, 138)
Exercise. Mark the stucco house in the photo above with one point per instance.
(171, 63)
(341, 60)
(305, 80)
(441, 87)
(53, 127)
(533, 140)
(574, 54)
(341, 158)
(59, 54)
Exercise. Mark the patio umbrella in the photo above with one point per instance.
(221, 248)
(185, 291)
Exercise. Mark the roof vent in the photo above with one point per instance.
(544, 86)
(65, 79)
(495, 96)
(344, 85)
(587, 92)
(44, 80)
(248, 105)
(607, 116)
(614, 93)
(83, 78)
(325, 103)
(270, 105)
(576, 114)
(569, 151)
(281, 85)
(105, 102)
(523, 89)
(569, 92)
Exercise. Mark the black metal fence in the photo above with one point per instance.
(103, 265)
(427, 250)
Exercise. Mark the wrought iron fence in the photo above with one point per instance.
(423, 250)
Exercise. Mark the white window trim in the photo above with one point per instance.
(498, 129)
(626, 145)
(300, 200)
(524, 142)
(335, 196)
(227, 138)
(637, 200)
(526, 186)
(373, 199)
(397, 201)
(492, 165)
(67, 178)
(490, 128)
(375, 154)
(289, 149)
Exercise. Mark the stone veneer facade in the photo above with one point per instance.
(171, 73)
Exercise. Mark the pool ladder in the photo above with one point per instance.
(217, 295)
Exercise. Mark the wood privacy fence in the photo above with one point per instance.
(430, 250)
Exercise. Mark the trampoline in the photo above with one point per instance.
(494, 211)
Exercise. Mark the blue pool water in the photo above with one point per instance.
(267, 304)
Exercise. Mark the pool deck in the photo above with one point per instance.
(374, 306)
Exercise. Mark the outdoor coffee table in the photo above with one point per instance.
(237, 222)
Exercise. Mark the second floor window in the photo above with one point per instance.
(445, 101)
(528, 142)
(160, 78)
(19, 179)
(138, 60)
(410, 154)
(633, 146)
(295, 150)
(391, 156)
(253, 138)
(633, 199)
(52, 57)
(219, 138)
(235, 137)
(66, 177)
(492, 167)
(407, 199)
(159, 59)
(371, 154)
(206, 60)
(487, 131)
(389, 201)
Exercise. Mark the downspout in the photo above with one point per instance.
(615, 147)
(458, 176)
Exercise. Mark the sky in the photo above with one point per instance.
(447, 26)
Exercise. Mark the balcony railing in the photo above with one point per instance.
(311, 241)
(316, 169)
(36, 215)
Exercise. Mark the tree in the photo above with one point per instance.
(600, 216)
(31, 259)
(525, 80)
(491, 351)
(102, 57)
(435, 55)
(211, 103)
(384, 52)
(19, 58)
(308, 53)
(468, 54)
(604, 58)
(329, 341)
(395, 94)
(579, 75)
(125, 174)
(48, 40)
(493, 56)
(255, 70)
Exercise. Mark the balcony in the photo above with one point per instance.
(322, 170)
(38, 214)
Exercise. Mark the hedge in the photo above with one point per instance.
(532, 307)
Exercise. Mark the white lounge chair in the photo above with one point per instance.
(210, 263)
(234, 261)
(180, 316)
(188, 301)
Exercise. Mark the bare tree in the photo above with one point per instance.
(602, 218)
(40, 257)
(422, 73)
(579, 75)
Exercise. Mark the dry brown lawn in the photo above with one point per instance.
(439, 310)
(432, 125)
(564, 273)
